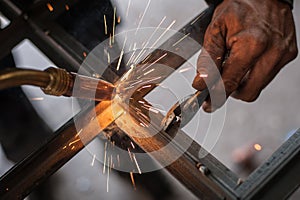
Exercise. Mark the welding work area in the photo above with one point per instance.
(152, 99)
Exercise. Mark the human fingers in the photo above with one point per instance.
(211, 57)
(246, 48)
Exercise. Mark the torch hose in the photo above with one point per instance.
(17, 77)
(58, 82)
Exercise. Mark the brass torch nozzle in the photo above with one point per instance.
(72, 84)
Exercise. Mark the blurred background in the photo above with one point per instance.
(251, 132)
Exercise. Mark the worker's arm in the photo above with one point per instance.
(247, 42)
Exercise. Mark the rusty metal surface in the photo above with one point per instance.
(19, 181)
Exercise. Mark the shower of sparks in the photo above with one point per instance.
(148, 72)
(93, 161)
(129, 154)
(158, 26)
(73, 147)
(132, 145)
(64, 147)
(144, 117)
(133, 54)
(185, 36)
(131, 58)
(196, 19)
(137, 164)
(108, 55)
(111, 163)
(67, 7)
(145, 107)
(105, 25)
(257, 147)
(130, 46)
(139, 25)
(146, 86)
(74, 142)
(105, 152)
(92, 118)
(114, 25)
(154, 110)
(127, 11)
(156, 61)
(120, 59)
(143, 125)
(96, 75)
(118, 159)
(50, 8)
(121, 54)
(132, 180)
(135, 83)
(185, 69)
(37, 99)
(125, 76)
(142, 52)
(147, 58)
(203, 75)
(110, 40)
(167, 29)
(107, 180)
(153, 79)
(78, 133)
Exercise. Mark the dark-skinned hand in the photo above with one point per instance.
(247, 42)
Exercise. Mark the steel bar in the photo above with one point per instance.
(10, 10)
(18, 182)
(16, 31)
(185, 168)
(278, 177)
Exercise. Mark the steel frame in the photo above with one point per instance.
(207, 178)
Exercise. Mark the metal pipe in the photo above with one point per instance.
(16, 77)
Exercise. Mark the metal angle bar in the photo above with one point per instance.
(185, 163)
(12, 35)
(10, 10)
(52, 49)
(74, 48)
(19, 181)
(278, 177)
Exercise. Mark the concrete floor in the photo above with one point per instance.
(268, 121)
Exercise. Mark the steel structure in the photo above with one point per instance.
(207, 178)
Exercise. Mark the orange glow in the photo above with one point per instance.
(132, 180)
(84, 54)
(37, 99)
(67, 7)
(203, 75)
(257, 147)
(50, 7)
